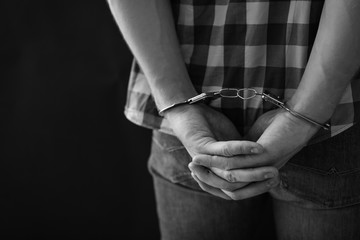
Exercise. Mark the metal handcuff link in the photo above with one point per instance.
(247, 93)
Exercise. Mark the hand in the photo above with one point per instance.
(281, 134)
(204, 131)
(237, 184)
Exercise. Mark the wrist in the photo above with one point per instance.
(170, 95)
(182, 110)
(309, 129)
(316, 112)
(286, 130)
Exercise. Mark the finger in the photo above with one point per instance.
(206, 176)
(253, 189)
(211, 190)
(232, 148)
(246, 175)
(228, 163)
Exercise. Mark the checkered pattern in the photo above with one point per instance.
(260, 44)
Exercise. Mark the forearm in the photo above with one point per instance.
(149, 30)
(334, 60)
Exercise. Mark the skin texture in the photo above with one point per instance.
(223, 163)
(205, 132)
(153, 42)
(283, 136)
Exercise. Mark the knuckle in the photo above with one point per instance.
(225, 150)
(214, 161)
(230, 177)
(227, 165)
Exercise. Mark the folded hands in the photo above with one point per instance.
(233, 167)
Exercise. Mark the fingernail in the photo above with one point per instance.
(269, 175)
(255, 150)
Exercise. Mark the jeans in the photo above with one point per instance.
(317, 198)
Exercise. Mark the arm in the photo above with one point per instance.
(334, 60)
(149, 30)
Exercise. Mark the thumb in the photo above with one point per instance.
(232, 148)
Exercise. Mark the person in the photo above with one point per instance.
(285, 176)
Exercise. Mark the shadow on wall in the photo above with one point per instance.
(71, 165)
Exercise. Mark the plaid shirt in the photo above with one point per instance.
(260, 44)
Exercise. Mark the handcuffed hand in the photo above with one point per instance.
(206, 132)
(281, 134)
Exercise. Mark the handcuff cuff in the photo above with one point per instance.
(247, 93)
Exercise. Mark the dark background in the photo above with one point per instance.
(71, 165)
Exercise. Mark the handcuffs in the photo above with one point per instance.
(247, 93)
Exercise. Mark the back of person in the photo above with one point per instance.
(306, 55)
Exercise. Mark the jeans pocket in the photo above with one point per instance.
(170, 159)
(329, 190)
(328, 172)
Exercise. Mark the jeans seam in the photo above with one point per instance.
(326, 204)
(322, 203)
(323, 172)
(298, 194)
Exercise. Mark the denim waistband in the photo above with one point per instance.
(326, 173)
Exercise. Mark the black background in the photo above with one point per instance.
(71, 165)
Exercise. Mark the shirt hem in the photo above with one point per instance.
(137, 117)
